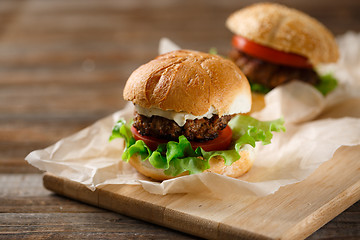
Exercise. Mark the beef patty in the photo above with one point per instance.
(194, 130)
(269, 74)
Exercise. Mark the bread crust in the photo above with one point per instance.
(285, 29)
(189, 81)
(217, 165)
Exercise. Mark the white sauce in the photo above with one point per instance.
(179, 117)
(241, 104)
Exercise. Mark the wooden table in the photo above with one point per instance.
(63, 65)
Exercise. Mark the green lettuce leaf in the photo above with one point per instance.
(192, 164)
(327, 84)
(122, 130)
(229, 156)
(213, 51)
(259, 88)
(176, 157)
(138, 147)
(248, 130)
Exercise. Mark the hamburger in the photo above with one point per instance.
(274, 44)
(188, 117)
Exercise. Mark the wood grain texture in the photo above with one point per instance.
(29, 211)
(63, 65)
(294, 212)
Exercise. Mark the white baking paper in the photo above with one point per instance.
(89, 158)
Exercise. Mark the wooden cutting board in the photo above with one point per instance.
(293, 212)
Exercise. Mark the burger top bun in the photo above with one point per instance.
(285, 29)
(191, 82)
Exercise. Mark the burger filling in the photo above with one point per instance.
(202, 129)
(176, 157)
(270, 74)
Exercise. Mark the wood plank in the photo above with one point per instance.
(344, 226)
(29, 211)
(317, 200)
(103, 225)
(31, 201)
(294, 212)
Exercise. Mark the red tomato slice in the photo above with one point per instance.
(222, 142)
(270, 54)
(151, 142)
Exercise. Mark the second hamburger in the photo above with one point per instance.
(274, 44)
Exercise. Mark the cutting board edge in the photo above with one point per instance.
(339, 204)
(167, 217)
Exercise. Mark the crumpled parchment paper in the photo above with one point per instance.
(89, 158)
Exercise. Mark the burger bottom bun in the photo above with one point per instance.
(258, 102)
(217, 165)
